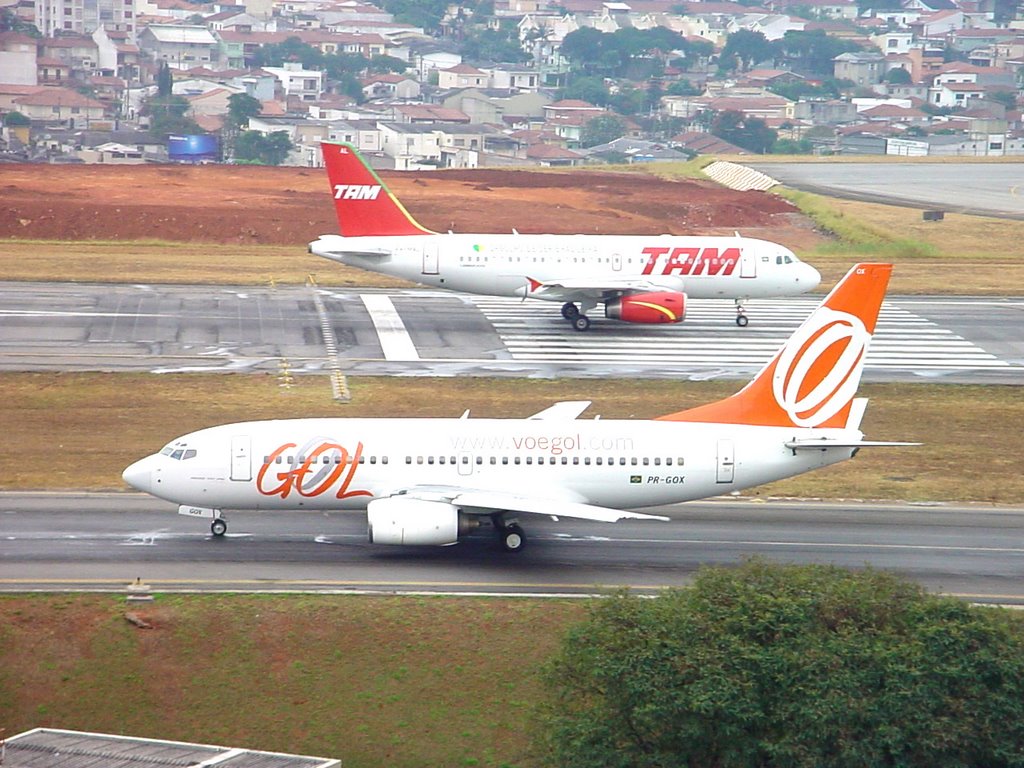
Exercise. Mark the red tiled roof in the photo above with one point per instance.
(57, 97)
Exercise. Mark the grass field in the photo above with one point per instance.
(971, 434)
(373, 681)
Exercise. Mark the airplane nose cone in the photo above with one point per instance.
(139, 475)
(811, 277)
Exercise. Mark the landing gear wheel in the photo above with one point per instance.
(219, 527)
(570, 311)
(513, 539)
(742, 320)
(581, 323)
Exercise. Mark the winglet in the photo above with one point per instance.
(812, 380)
(364, 204)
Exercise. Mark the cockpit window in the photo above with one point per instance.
(178, 451)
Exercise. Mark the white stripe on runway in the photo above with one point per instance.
(903, 340)
(395, 341)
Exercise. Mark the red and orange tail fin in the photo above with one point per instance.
(365, 206)
(812, 380)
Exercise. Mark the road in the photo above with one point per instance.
(61, 327)
(81, 541)
(989, 189)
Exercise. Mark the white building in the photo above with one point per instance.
(181, 46)
(83, 17)
(306, 84)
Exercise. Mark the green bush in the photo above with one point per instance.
(767, 665)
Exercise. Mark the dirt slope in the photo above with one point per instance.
(232, 204)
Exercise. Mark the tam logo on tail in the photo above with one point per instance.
(364, 205)
(356, 191)
(812, 380)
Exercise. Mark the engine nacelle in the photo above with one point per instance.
(415, 522)
(655, 307)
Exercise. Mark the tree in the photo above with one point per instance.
(164, 80)
(242, 106)
(255, 147)
(601, 130)
(12, 22)
(898, 76)
(747, 48)
(748, 132)
(813, 52)
(589, 89)
(683, 87)
(583, 47)
(383, 64)
(769, 665)
(15, 118)
(628, 100)
(167, 116)
(1007, 98)
(492, 45)
(291, 49)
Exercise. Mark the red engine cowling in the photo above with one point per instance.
(660, 307)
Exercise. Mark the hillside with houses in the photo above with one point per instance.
(499, 83)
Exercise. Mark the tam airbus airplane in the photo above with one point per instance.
(638, 278)
(432, 481)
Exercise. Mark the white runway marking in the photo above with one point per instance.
(394, 338)
(532, 332)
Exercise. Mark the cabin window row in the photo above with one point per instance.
(587, 461)
(325, 459)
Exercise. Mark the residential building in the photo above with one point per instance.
(181, 46)
(56, 105)
(18, 59)
(304, 84)
(83, 17)
(863, 68)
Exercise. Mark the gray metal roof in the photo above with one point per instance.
(51, 748)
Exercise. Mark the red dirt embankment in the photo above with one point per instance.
(231, 204)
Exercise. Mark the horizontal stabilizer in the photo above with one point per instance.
(824, 442)
(338, 255)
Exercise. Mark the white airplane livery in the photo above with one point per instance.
(638, 278)
(432, 481)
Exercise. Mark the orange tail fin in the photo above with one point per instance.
(365, 206)
(812, 380)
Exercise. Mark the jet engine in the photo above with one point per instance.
(401, 520)
(655, 307)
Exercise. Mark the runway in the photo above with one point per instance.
(79, 541)
(987, 189)
(166, 329)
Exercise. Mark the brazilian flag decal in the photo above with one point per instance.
(635, 479)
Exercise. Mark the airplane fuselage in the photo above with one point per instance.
(346, 463)
(505, 265)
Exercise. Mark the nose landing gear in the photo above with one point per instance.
(741, 317)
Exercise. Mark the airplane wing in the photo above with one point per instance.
(476, 502)
(567, 410)
(602, 288)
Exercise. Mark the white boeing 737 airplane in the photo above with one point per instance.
(638, 278)
(431, 481)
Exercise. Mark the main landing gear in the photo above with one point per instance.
(741, 318)
(511, 536)
(575, 316)
(219, 527)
